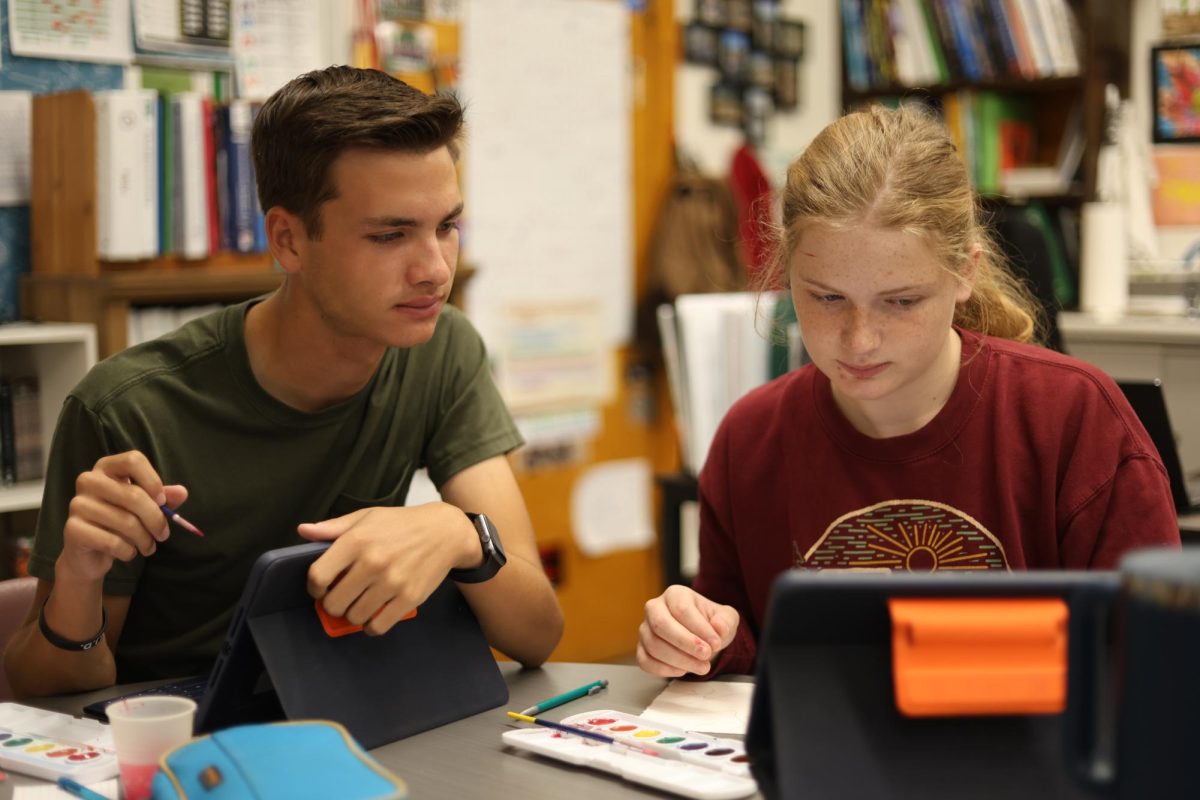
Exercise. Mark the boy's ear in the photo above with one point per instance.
(286, 238)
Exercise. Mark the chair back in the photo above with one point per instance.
(15, 596)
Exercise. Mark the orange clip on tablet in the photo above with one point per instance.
(968, 656)
(340, 626)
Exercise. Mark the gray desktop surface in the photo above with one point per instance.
(466, 759)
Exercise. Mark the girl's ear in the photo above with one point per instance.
(966, 278)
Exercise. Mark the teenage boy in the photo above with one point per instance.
(299, 416)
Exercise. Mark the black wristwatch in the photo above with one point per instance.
(493, 552)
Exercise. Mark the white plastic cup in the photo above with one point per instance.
(143, 729)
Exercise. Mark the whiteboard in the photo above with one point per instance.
(548, 166)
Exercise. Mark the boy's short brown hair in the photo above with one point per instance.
(303, 128)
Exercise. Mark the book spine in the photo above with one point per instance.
(935, 42)
(193, 185)
(8, 450)
(945, 32)
(854, 41)
(149, 135)
(27, 429)
(221, 166)
(260, 220)
(212, 215)
(241, 176)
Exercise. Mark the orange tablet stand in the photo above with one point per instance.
(340, 626)
(957, 657)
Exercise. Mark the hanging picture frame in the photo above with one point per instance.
(1175, 77)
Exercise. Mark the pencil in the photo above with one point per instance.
(180, 521)
(73, 787)
(565, 697)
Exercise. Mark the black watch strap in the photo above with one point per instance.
(493, 552)
(66, 644)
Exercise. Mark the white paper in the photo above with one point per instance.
(99, 32)
(50, 791)
(553, 354)
(724, 355)
(718, 707)
(610, 507)
(556, 427)
(14, 148)
(274, 41)
(549, 159)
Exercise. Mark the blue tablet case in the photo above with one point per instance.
(278, 662)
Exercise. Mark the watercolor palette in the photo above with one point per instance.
(47, 744)
(661, 756)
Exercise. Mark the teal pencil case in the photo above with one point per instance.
(295, 760)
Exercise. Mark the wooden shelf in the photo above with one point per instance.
(57, 356)
(104, 300)
(1072, 83)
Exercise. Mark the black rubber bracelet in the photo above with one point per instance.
(66, 644)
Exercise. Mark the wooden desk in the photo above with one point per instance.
(466, 758)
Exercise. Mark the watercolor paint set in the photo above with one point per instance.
(645, 752)
(50, 745)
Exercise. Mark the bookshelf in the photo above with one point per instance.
(57, 355)
(105, 300)
(69, 282)
(1102, 53)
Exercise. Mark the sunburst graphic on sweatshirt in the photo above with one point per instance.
(906, 535)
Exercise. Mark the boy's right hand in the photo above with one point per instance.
(115, 515)
(683, 632)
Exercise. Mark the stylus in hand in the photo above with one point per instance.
(180, 521)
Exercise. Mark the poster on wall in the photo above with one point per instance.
(1175, 75)
(99, 32)
(1177, 195)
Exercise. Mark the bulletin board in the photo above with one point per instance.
(548, 158)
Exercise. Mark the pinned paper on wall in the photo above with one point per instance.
(14, 148)
(1177, 194)
(549, 157)
(554, 354)
(99, 32)
(610, 507)
(274, 42)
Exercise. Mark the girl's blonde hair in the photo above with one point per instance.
(898, 169)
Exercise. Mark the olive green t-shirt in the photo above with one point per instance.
(254, 467)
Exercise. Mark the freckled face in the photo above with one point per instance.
(875, 308)
(383, 267)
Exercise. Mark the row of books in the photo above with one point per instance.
(998, 137)
(890, 43)
(174, 175)
(20, 430)
(144, 323)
